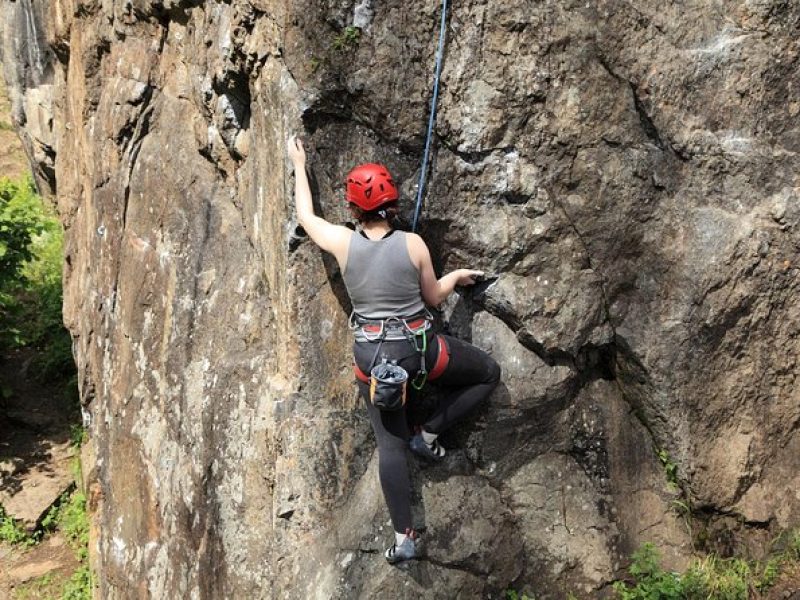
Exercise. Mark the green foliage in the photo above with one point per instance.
(651, 581)
(69, 516)
(712, 577)
(31, 256)
(512, 594)
(79, 586)
(769, 573)
(670, 468)
(50, 521)
(347, 39)
(35, 588)
(6, 126)
(707, 578)
(42, 294)
(77, 437)
(75, 468)
(12, 531)
(74, 524)
(69, 387)
(684, 510)
(793, 545)
(21, 218)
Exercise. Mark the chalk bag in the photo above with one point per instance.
(387, 385)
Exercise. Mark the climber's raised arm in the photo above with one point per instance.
(331, 238)
(434, 291)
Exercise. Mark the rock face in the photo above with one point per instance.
(627, 172)
(13, 162)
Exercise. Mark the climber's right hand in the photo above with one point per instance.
(468, 276)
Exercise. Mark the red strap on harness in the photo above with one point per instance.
(442, 360)
(411, 325)
(360, 374)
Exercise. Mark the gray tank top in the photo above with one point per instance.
(381, 279)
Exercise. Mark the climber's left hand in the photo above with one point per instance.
(297, 153)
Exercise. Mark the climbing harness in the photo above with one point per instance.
(414, 329)
(387, 380)
(432, 118)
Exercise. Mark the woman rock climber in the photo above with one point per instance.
(388, 273)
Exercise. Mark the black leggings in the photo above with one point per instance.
(469, 378)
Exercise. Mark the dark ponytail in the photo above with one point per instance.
(388, 212)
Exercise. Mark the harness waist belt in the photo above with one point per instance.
(390, 329)
(411, 324)
(390, 332)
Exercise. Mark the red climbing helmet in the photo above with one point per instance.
(370, 186)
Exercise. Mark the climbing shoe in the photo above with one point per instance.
(405, 551)
(432, 451)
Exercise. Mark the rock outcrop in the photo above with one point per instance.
(626, 171)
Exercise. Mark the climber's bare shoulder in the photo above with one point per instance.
(331, 238)
(417, 250)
